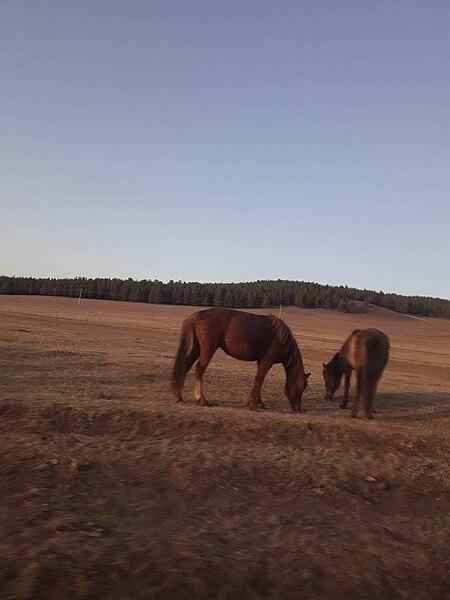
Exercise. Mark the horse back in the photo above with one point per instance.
(245, 336)
(367, 349)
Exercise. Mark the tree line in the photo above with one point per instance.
(255, 294)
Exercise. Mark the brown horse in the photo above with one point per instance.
(365, 351)
(245, 336)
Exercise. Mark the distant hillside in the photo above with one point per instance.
(254, 294)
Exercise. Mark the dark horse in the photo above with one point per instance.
(365, 351)
(245, 336)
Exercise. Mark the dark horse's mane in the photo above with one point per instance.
(334, 363)
(294, 364)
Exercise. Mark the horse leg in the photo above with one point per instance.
(344, 400)
(359, 378)
(206, 355)
(190, 360)
(254, 402)
(369, 394)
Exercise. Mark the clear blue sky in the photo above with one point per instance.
(227, 140)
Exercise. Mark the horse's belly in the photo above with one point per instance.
(246, 340)
(239, 347)
(241, 352)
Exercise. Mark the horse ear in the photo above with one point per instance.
(307, 375)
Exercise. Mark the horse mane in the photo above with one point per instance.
(294, 363)
(285, 337)
(334, 363)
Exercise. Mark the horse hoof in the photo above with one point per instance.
(202, 401)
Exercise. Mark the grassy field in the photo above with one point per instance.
(111, 490)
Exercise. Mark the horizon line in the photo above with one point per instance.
(186, 281)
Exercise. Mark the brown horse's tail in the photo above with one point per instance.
(377, 357)
(182, 364)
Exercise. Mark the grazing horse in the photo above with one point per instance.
(245, 336)
(365, 351)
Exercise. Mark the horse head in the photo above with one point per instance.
(294, 390)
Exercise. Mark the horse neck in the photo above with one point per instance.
(295, 372)
(290, 356)
(338, 363)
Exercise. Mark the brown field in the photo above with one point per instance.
(110, 490)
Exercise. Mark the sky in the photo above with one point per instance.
(227, 141)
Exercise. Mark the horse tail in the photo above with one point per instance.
(377, 356)
(181, 366)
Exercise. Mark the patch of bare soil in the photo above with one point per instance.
(110, 490)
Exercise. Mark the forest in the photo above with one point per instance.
(255, 294)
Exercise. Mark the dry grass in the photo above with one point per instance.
(111, 490)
